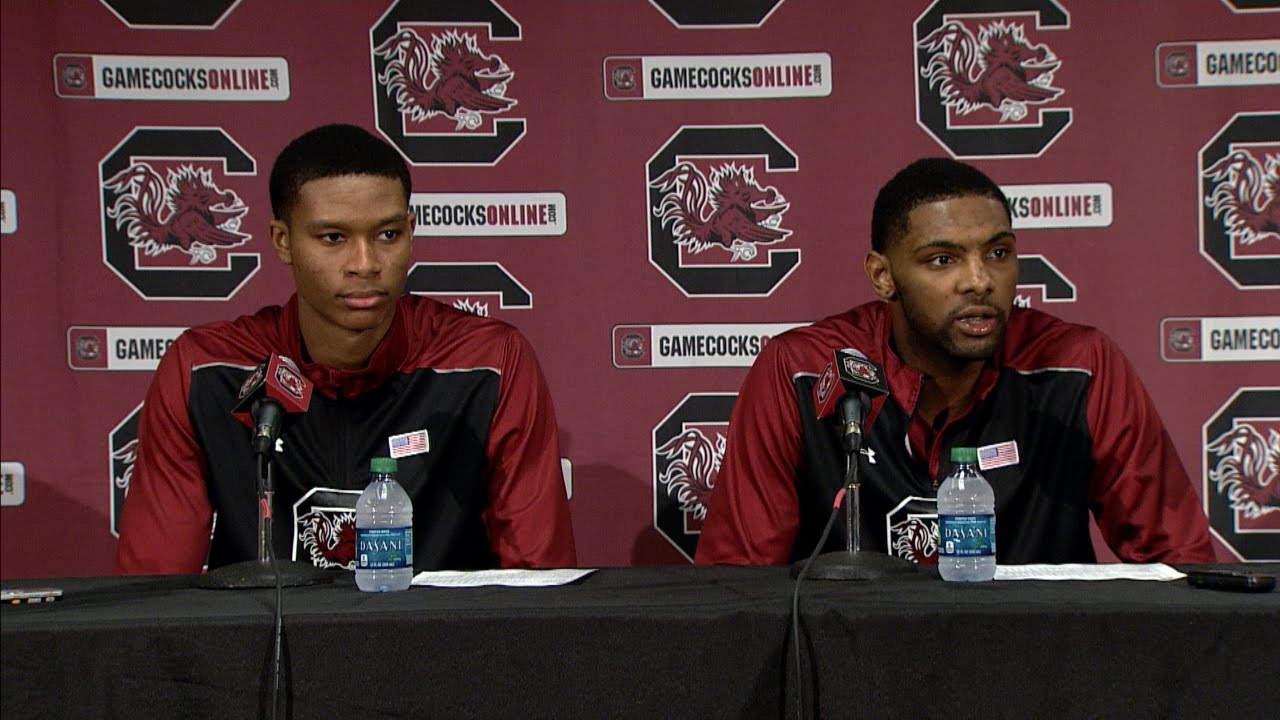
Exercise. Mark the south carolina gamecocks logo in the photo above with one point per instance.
(985, 83)
(1248, 469)
(732, 211)
(1241, 481)
(1247, 196)
(122, 444)
(452, 77)
(686, 461)
(999, 69)
(711, 208)
(911, 530)
(324, 527)
(185, 211)
(1239, 200)
(430, 67)
(864, 370)
(691, 474)
(329, 538)
(124, 458)
(475, 307)
(290, 381)
(916, 539)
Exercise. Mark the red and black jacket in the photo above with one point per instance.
(488, 492)
(1088, 437)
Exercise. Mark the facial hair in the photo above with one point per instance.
(940, 338)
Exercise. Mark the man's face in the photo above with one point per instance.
(348, 240)
(950, 281)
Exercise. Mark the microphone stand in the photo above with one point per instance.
(853, 563)
(267, 571)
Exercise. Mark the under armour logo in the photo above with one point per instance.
(279, 445)
(871, 455)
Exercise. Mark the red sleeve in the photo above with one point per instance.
(166, 520)
(1144, 503)
(753, 512)
(528, 514)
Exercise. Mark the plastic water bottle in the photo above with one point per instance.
(384, 531)
(966, 521)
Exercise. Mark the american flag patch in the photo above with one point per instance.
(998, 455)
(410, 443)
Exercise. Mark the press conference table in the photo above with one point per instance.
(647, 642)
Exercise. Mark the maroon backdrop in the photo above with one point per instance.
(553, 144)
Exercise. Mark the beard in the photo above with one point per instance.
(944, 341)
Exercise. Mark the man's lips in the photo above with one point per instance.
(362, 299)
(977, 321)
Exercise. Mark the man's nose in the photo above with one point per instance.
(362, 258)
(976, 277)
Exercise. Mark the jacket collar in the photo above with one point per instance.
(387, 358)
(905, 381)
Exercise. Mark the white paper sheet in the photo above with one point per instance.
(1101, 571)
(508, 577)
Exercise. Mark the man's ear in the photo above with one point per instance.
(879, 274)
(280, 241)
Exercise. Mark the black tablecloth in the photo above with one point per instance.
(647, 642)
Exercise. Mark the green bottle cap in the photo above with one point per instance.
(964, 455)
(382, 465)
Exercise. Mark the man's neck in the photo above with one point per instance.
(338, 348)
(948, 382)
(946, 394)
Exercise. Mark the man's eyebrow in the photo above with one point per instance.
(323, 224)
(941, 244)
(396, 218)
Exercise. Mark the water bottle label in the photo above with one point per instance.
(967, 535)
(382, 548)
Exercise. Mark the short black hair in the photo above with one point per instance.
(332, 151)
(924, 181)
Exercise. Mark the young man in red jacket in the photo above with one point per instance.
(1066, 428)
(484, 469)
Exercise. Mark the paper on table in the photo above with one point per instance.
(1101, 571)
(509, 577)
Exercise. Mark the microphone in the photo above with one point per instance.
(846, 386)
(861, 379)
(274, 388)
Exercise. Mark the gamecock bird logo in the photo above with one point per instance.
(692, 472)
(1248, 471)
(732, 211)
(1247, 196)
(998, 69)
(451, 78)
(916, 539)
(330, 538)
(186, 212)
(128, 456)
(474, 307)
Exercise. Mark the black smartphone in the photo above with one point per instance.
(1237, 580)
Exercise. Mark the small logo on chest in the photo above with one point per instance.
(998, 455)
(410, 443)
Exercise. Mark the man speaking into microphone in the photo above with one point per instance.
(1063, 427)
(457, 399)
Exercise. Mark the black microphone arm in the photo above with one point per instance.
(853, 410)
